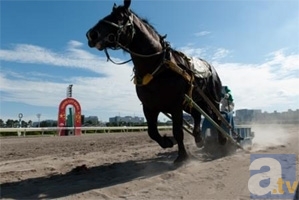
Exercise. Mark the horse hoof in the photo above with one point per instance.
(199, 141)
(181, 159)
(222, 141)
(199, 144)
(168, 142)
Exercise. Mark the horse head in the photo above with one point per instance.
(113, 30)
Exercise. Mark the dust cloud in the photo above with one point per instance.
(269, 136)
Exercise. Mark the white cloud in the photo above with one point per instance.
(73, 57)
(220, 53)
(207, 53)
(191, 51)
(202, 33)
(74, 44)
(259, 86)
(271, 85)
(287, 63)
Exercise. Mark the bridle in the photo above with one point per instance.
(112, 38)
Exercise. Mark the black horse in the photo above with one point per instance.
(162, 75)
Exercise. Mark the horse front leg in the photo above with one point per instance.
(152, 124)
(177, 125)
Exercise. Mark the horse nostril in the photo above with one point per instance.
(92, 35)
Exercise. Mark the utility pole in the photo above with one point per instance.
(69, 91)
(38, 117)
(20, 119)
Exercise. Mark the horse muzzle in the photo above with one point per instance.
(93, 38)
(91, 44)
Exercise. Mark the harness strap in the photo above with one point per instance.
(148, 77)
(178, 70)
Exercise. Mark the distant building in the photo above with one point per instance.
(247, 115)
(44, 123)
(91, 120)
(126, 119)
(257, 116)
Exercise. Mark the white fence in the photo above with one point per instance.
(22, 131)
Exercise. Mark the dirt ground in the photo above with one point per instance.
(130, 166)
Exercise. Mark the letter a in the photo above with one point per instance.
(273, 174)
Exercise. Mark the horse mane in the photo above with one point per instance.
(146, 22)
(178, 55)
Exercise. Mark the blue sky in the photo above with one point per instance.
(254, 46)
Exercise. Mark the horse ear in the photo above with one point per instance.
(127, 3)
(114, 7)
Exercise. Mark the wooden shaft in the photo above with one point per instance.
(216, 111)
(223, 132)
(187, 130)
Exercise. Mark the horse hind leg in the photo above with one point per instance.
(196, 129)
(221, 138)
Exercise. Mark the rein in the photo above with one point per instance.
(131, 52)
(141, 55)
(109, 59)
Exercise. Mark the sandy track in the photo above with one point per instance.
(128, 166)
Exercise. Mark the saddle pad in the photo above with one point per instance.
(200, 68)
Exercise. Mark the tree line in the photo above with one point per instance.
(10, 123)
